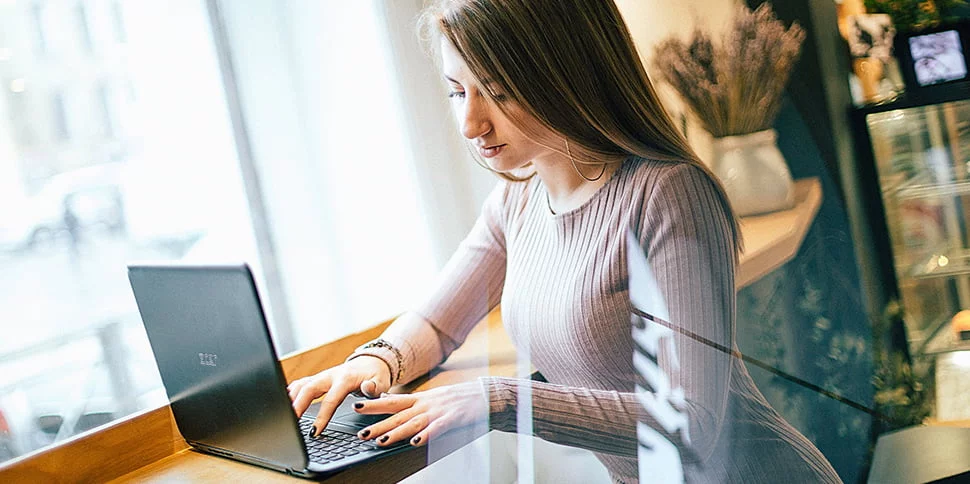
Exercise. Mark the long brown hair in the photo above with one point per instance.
(573, 66)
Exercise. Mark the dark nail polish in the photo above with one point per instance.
(364, 433)
(359, 405)
(384, 439)
(416, 440)
(313, 431)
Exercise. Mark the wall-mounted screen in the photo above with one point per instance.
(938, 57)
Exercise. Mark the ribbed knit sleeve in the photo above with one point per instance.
(598, 420)
(686, 235)
(691, 251)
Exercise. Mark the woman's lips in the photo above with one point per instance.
(491, 151)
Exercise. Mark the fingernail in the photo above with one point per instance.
(384, 439)
(359, 405)
(416, 440)
(364, 433)
(313, 431)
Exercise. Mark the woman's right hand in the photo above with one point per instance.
(368, 374)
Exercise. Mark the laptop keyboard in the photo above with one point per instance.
(332, 445)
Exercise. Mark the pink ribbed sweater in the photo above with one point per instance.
(562, 282)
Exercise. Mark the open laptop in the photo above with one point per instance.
(208, 332)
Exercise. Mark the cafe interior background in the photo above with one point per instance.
(313, 139)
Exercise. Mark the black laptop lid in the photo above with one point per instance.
(209, 335)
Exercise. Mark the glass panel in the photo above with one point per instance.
(922, 155)
(92, 177)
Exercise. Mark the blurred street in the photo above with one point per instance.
(73, 352)
(51, 290)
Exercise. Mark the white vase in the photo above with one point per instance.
(754, 173)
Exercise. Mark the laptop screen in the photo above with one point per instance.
(207, 329)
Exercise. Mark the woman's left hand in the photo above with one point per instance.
(424, 415)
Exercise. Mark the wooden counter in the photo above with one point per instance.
(148, 447)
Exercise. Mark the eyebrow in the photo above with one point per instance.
(484, 82)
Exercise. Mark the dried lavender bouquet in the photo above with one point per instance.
(735, 87)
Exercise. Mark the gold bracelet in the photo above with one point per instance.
(382, 343)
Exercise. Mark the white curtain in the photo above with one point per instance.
(365, 181)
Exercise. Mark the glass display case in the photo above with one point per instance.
(921, 156)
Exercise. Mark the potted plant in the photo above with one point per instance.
(915, 15)
(903, 392)
(735, 89)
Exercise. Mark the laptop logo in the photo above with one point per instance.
(208, 359)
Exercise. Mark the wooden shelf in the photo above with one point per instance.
(773, 239)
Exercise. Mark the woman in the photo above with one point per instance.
(556, 90)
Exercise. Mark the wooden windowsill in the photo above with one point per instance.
(148, 447)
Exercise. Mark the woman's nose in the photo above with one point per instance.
(475, 119)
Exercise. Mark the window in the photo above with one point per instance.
(73, 353)
(145, 163)
(61, 127)
(118, 22)
(17, 104)
(39, 29)
(104, 102)
(84, 32)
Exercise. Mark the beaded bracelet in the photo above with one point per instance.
(382, 343)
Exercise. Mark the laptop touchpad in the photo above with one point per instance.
(346, 415)
(355, 419)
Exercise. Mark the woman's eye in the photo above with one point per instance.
(456, 94)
